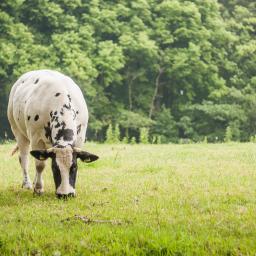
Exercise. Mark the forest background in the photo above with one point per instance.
(172, 70)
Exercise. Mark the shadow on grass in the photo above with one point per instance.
(19, 197)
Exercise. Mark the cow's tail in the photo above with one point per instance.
(15, 150)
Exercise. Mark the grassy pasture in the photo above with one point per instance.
(197, 199)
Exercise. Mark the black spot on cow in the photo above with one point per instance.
(56, 172)
(63, 124)
(66, 134)
(69, 98)
(28, 118)
(48, 131)
(74, 114)
(36, 117)
(77, 112)
(73, 171)
(56, 112)
(78, 129)
(57, 94)
(36, 81)
(57, 125)
(62, 112)
(55, 119)
(51, 114)
(67, 106)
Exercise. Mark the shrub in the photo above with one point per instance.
(159, 139)
(116, 134)
(133, 140)
(125, 140)
(113, 136)
(144, 135)
(253, 138)
(109, 135)
(228, 134)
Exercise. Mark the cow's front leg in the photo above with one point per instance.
(38, 181)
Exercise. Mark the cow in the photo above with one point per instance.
(48, 115)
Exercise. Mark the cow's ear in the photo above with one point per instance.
(41, 154)
(86, 156)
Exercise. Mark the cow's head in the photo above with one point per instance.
(64, 166)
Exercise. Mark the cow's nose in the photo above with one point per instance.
(65, 196)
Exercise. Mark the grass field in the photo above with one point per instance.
(197, 199)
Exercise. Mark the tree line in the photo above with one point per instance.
(180, 70)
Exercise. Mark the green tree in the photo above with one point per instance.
(182, 69)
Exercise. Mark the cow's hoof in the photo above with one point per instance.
(26, 185)
(65, 196)
(38, 191)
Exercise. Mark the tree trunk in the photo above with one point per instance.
(156, 92)
(130, 93)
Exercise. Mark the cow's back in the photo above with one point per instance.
(36, 95)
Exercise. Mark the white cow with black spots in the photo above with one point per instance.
(47, 113)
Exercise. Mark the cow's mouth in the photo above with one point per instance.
(63, 196)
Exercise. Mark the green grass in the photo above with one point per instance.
(197, 199)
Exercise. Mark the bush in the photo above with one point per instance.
(133, 140)
(125, 140)
(113, 136)
(159, 139)
(116, 134)
(253, 139)
(109, 135)
(144, 135)
(228, 134)
(205, 141)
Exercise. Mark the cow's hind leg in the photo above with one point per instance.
(24, 161)
(38, 182)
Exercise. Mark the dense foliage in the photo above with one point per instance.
(182, 69)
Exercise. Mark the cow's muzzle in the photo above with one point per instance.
(65, 196)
